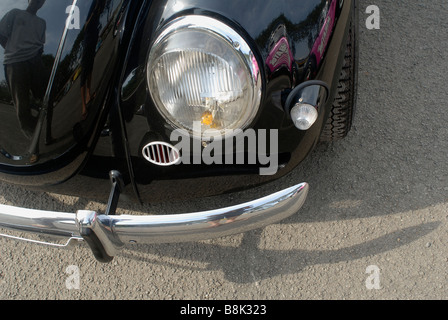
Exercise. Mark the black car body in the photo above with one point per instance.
(113, 83)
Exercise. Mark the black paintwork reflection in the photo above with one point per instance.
(298, 21)
(65, 91)
(90, 41)
(22, 35)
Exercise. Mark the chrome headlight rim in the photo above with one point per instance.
(247, 56)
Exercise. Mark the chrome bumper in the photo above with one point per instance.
(107, 234)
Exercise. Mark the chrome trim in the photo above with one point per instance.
(161, 153)
(46, 99)
(57, 59)
(116, 231)
(44, 222)
(228, 35)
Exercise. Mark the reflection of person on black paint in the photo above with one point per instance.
(22, 35)
(91, 36)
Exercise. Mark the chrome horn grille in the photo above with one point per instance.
(161, 153)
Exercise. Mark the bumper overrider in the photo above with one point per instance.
(107, 234)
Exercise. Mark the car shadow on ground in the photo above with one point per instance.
(247, 263)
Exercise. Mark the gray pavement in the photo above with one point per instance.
(374, 225)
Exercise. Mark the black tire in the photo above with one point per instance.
(340, 119)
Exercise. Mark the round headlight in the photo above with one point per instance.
(202, 74)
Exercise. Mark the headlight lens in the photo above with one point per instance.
(202, 71)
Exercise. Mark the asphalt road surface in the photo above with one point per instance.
(373, 227)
